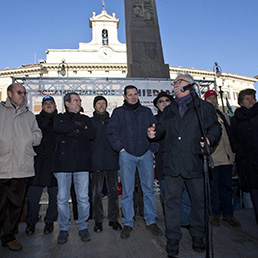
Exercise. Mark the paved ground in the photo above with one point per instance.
(228, 242)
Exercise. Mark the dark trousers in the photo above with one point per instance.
(97, 180)
(33, 195)
(254, 197)
(185, 208)
(12, 193)
(174, 187)
(221, 191)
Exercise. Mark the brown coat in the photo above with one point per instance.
(222, 153)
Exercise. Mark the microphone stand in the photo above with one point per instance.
(205, 151)
(221, 97)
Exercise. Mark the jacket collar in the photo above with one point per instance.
(102, 117)
(139, 106)
(43, 113)
(243, 113)
(8, 104)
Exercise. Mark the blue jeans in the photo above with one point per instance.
(128, 164)
(81, 185)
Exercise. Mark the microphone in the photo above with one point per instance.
(187, 87)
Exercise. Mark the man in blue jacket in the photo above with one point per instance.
(126, 132)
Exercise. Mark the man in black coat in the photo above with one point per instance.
(182, 163)
(104, 166)
(43, 175)
(161, 102)
(72, 159)
(244, 141)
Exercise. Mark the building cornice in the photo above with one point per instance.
(87, 66)
(44, 67)
(24, 69)
(204, 73)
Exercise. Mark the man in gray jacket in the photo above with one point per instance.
(19, 132)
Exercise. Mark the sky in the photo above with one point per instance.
(194, 33)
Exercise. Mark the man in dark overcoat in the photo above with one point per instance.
(182, 162)
(104, 166)
(72, 159)
(43, 175)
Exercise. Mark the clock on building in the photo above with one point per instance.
(105, 53)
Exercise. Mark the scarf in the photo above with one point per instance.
(182, 103)
(101, 117)
(132, 106)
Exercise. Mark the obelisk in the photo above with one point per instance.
(144, 50)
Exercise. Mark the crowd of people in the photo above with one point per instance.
(70, 149)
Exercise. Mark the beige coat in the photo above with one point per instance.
(19, 131)
(222, 153)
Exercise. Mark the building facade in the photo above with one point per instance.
(105, 57)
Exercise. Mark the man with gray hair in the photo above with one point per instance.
(72, 160)
(182, 163)
(19, 132)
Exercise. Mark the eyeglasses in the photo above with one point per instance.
(21, 93)
(164, 100)
(179, 81)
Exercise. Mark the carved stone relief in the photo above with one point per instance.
(144, 9)
(150, 49)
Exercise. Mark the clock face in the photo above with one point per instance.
(105, 53)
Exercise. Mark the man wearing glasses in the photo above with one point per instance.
(160, 102)
(182, 164)
(19, 132)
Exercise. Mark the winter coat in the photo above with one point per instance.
(19, 132)
(222, 153)
(103, 156)
(74, 132)
(45, 151)
(181, 153)
(244, 141)
(127, 128)
(158, 154)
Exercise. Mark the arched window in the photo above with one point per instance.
(104, 37)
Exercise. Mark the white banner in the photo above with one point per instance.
(111, 88)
